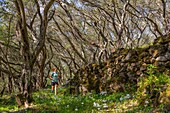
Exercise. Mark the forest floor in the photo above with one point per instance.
(47, 102)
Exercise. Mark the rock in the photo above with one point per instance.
(138, 73)
(124, 66)
(155, 53)
(151, 51)
(167, 64)
(152, 60)
(143, 55)
(133, 64)
(83, 89)
(144, 67)
(130, 68)
(169, 46)
(122, 74)
(128, 56)
(130, 75)
(167, 55)
(161, 59)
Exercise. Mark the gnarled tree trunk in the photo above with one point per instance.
(28, 57)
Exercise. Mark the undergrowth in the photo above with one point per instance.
(139, 101)
(45, 102)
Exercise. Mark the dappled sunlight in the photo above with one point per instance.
(45, 101)
(98, 56)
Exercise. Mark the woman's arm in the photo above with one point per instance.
(51, 77)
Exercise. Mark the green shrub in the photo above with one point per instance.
(151, 85)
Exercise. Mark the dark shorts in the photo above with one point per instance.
(53, 83)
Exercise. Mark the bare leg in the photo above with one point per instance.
(56, 86)
(52, 88)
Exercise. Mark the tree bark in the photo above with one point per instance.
(42, 60)
(28, 57)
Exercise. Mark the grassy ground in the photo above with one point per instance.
(46, 102)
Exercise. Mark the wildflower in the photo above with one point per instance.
(76, 109)
(105, 105)
(127, 96)
(90, 93)
(121, 99)
(104, 101)
(67, 106)
(103, 93)
(146, 102)
(96, 105)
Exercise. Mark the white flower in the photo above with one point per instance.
(105, 105)
(67, 106)
(96, 105)
(104, 101)
(127, 96)
(103, 92)
(82, 103)
(121, 99)
(90, 97)
(90, 93)
(76, 109)
(146, 102)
